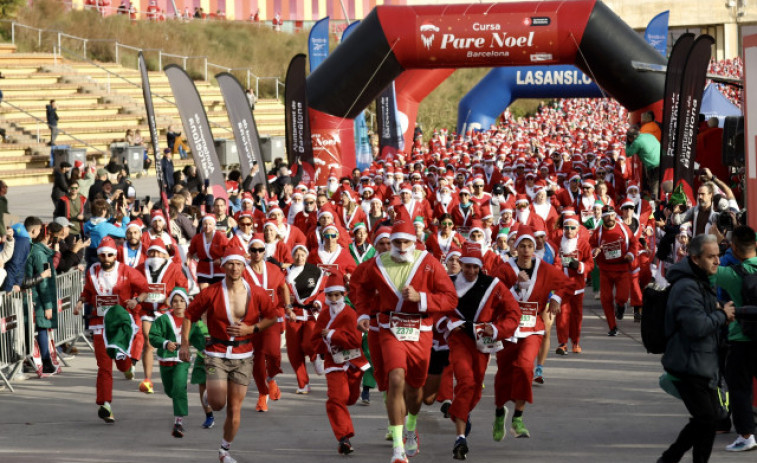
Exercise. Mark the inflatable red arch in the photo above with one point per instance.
(394, 39)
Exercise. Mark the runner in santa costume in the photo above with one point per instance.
(404, 288)
(287, 233)
(336, 338)
(162, 275)
(244, 231)
(267, 360)
(489, 258)
(446, 238)
(306, 282)
(531, 281)
(525, 215)
(465, 211)
(158, 229)
(332, 256)
(235, 311)
(628, 218)
(486, 316)
(577, 263)
(106, 284)
(327, 217)
(614, 248)
(307, 219)
(276, 250)
(547, 252)
(568, 197)
(132, 252)
(208, 247)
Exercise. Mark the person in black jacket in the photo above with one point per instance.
(694, 327)
(52, 120)
(60, 181)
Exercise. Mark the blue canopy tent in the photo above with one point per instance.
(715, 104)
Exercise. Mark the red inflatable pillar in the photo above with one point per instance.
(333, 145)
(411, 87)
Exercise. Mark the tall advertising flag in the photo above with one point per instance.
(657, 32)
(349, 29)
(154, 139)
(671, 102)
(243, 125)
(692, 87)
(299, 144)
(318, 43)
(386, 118)
(195, 121)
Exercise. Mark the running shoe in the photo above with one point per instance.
(613, 332)
(460, 450)
(518, 428)
(365, 397)
(273, 390)
(539, 374)
(262, 405)
(388, 437)
(620, 310)
(146, 386)
(498, 429)
(209, 422)
(576, 349)
(106, 413)
(345, 447)
(399, 456)
(178, 431)
(412, 443)
(224, 456)
(445, 408)
(742, 445)
(637, 314)
(302, 390)
(129, 374)
(562, 349)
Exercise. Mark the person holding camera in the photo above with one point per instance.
(44, 295)
(694, 322)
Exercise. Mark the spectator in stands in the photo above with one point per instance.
(16, 266)
(3, 208)
(60, 181)
(74, 207)
(175, 142)
(129, 137)
(44, 294)
(69, 246)
(52, 121)
(649, 125)
(193, 180)
(251, 98)
(166, 165)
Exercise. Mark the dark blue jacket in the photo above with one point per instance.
(167, 167)
(17, 264)
(52, 115)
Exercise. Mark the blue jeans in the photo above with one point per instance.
(44, 343)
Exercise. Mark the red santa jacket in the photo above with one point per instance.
(169, 277)
(614, 244)
(463, 218)
(491, 181)
(377, 293)
(168, 240)
(122, 255)
(207, 252)
(439, 247)
(306, 221)
(340, 260)
(271, 280)
(214, 300)
(293, 236)
(567, 198)
(342, 341)
(129, 283)
(581, 252)
(349, 220)
(534, 296)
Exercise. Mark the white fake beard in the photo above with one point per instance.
(488, 169)
(335, 306)
(154, 263)
(389, 181)
(333, 186)
(406, 257)
(636, 198)
(521, 215)
(568, 245)
(417, 196)
(676, 219)
(445, 198)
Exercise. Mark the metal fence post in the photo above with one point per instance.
(184, 60)
(206, 69)
(13, 32)
(248, 78)
(59, 44)
(117, 53)
(160, 60)
(39, 38)
(277, 88)
(257, 87)
(85, 49)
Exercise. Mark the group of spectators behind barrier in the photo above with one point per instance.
(17, 324)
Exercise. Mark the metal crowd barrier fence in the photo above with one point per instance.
(70, 327)
(14, 333)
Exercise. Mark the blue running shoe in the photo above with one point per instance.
(210, 421)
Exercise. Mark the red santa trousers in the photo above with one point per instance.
(411, 356)
(570, 318)
(377, 359)
(446, 386)
(469, 366)
(343, 391)
(635, 289)
(266, 361)
(105, 369)
(515, 370)
(298, 336)
(621, 281)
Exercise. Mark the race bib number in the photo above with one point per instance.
(329, 268)
(613, 250)
(341, 355)
(405, 329)
(528, 313)
(485, 343)
(103, 303)
(156, 293)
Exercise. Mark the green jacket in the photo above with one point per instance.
(369, 253)
(647, 148)
(44, 294)
(164, 330)
(730, 281)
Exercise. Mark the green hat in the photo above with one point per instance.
(358, 226)
(178, 290)
(504, 231)
(599, 203)
(419, 220)
(678, 197)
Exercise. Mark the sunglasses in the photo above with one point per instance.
(447, 224)
(74, 188)
(330, 236)
(108, 256)
(309, 202)
(586, 188)
(245, 224)
(570, 227)
(257, 250)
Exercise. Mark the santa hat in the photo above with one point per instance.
(135, 223)
(633, 185)
(300, 246)
(628, 202)
(233, 253)
(403, 228)
(247, 197)
(574, 176)
(209, 217)
(157, 214)
(451, 253)
(257, 238)
(476, 225)
(524, 233)
(272, 224)
(157, 245)
(181, 292)
(471, 254)
(607, 210)
(464, 190)
(244, 215)
(589, 183)
(520, 199)
(330, 227)
(406, 188)
(381, 233)
(107, 246)
(274, 209)
(334, 283)
(326, 209)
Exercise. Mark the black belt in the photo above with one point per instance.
(227, 343)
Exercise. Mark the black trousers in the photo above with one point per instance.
(740, 368)
(699, 434)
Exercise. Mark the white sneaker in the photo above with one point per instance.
(318, 365)
(412, 443)
(303, 390)
(742, 445)
(399, 456)
(224, 457)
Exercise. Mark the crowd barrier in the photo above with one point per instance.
(17, 324)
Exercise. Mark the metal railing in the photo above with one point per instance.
(70, 329)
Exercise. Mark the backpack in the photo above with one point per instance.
(748, 297)
(653, 319)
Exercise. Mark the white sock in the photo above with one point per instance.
(178, 420)
(461, 436)
(225, 445)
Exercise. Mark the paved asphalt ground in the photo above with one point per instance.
(602, 405)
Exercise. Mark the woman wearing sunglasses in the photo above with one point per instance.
(446, 238)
